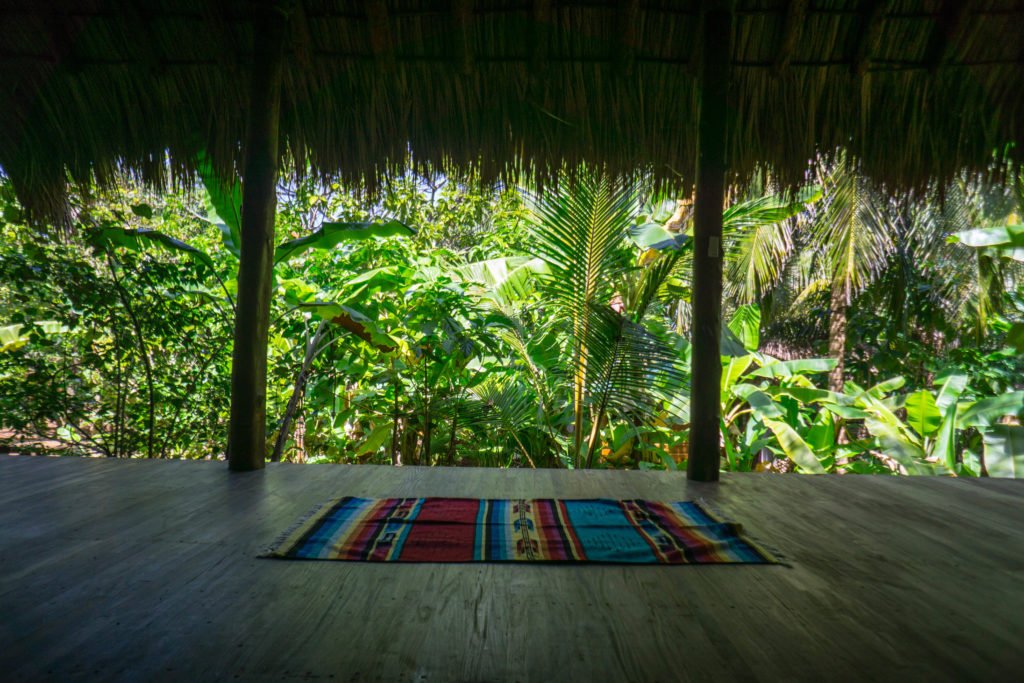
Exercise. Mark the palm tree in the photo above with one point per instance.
(849, 244)
(967, 284)
(614, 363)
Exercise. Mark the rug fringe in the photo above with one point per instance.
(769, 551)
(272, 549)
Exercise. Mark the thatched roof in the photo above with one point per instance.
(915, 88)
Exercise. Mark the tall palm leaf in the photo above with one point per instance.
(616, 366)
(966, 284)
(851, 238)
(580, 232)
(759, 241)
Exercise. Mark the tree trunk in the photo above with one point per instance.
(453, 440)
(300, 437)
(297, 392)
(837, 338)
(147, 364)
(706, 326)
(409, 444)
(396, 453)
(428, 429)
(579, 381)
(428, 423)
(247, 440)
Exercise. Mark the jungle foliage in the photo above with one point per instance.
(442, 324)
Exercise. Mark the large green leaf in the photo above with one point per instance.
(795, 448)
(355, 321)
(883, 414)
(945, 443)
(730, 346)
(655, 236)
(732, 371)
(138, 239)
(51, 326)
(375, 440)
(793, 445)
(330, 235)
(507, 279)
(896, 445)
(886, 386)
(822, 434)
(1003, 236)
(225, 203)
(746, 325)
(769, 209)
(987, 411)
(808, 394)
(846, 412)
(790, 368)
(949, 392)
(1004, 451)
(922, 413)
(11, 337)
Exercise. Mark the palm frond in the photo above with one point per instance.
(853, 231)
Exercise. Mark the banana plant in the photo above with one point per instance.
(768, 403)
(224, 210)
(223, 201)
(931, 441)
(13, 337)
(599, 294)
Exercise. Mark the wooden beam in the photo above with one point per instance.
(706, 370)
(140, 22)
(60, 36)
(693, 61)
(540, 33)
(247, 436)
(628, 16)
(870, 35)
(950, 26)
(382, 45)
(462, 14)
(541, 30)
(796, 15)
(223, 36)
(301, 37)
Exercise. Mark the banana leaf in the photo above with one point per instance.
(330, 235)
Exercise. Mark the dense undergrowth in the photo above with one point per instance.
(442, 324)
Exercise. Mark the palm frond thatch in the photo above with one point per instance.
(917, 90)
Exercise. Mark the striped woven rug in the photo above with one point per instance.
(547, 530)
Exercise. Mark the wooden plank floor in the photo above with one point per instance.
(148, 571)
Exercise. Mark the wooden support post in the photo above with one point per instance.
(247, 433)
(706, 372)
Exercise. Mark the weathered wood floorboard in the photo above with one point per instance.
(149, 570)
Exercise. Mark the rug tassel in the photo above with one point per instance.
(769, 551)
(271, 550)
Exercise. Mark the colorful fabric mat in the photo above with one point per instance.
(472, 530)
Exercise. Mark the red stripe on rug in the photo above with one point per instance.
(445, 530)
